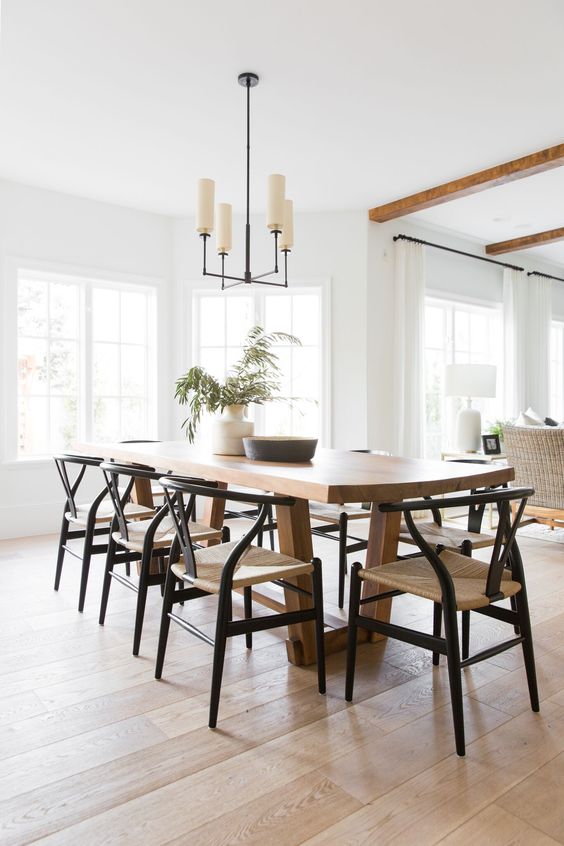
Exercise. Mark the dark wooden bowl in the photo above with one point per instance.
(280, 448)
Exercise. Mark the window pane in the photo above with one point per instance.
(63, 422)
(63, 310)
(133, 419)
(33, 426)
(239, 319)
(278, 313)
(105, 314)
(33, 372)
(213, 360)
(306, 318)
(63, 367)
(32, 308)
(212, 321)
(133, 371)
(106, 419)
(305, 381)
(105, 361)
(133, 317)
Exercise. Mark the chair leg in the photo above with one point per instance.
(317, 589)
(141, 601)
(455, 682)
(465, 634)
(218, 656)
(61, 553)
(270, 530)
(86, 558)
(354, 606)
(343, 528)
(437, 621)
(110, 561)
(513, 602)
(248, 599)
(528, 652)
(168, 602)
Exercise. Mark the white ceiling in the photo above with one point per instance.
(361, 102)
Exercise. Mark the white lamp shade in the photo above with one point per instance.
(275, 201)
(287, 236)
(224, 227)
(470, 380)
(204, 216)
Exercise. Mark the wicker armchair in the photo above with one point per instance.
(537, 454)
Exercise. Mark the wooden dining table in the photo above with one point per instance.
(333, 476)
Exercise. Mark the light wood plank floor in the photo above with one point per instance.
(93, 750)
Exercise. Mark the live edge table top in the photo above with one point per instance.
(336, 476)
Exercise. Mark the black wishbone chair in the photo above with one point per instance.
(455, 582)
(87, 520)
(226, 567)
(147, 541)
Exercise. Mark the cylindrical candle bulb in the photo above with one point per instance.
(206, 197)
(224, 218)
(287, 236)
(275, 201)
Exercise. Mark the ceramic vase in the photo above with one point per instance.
(229, 430)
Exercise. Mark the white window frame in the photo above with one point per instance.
(86, 279)
(194, 292)
(443, 299)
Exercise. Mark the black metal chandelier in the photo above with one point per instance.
(279, 216)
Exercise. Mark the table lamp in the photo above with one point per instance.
(469, 380)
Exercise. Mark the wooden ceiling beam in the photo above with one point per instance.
(489, 178)
(525, 242)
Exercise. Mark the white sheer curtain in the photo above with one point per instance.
(409, 352)
(527, 312)
(539, 321)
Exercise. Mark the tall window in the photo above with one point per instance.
(457, 333)
(557, 370)
(85, 362)
(221, 322)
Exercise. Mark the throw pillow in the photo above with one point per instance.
(525, 420)
(530, 412)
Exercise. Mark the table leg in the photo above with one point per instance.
(382, 548)
(214, 511)
(294, 533)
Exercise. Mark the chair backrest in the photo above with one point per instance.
(504, 551)
(537, 455)
(71, 486)
(112, 472)
(176, 487)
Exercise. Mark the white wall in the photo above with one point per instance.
(80, 236)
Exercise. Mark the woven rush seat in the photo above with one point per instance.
(105, 514)
(447, 536)
(330, 512)
(164, 534)
(416, 576)
(257, 565)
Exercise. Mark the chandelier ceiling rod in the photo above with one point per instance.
(279, 216)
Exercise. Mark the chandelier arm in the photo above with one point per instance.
(258, 281)
(219, 276)
(234, 285)
(262, 275)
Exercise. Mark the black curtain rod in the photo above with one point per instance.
(458, 252)
(544, 275)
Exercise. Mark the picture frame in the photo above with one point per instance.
(491, 444)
